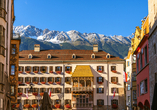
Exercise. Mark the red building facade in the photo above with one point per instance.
(142, 70)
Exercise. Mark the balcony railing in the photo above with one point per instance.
(82, 89)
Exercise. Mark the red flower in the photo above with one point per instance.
(35, 71)
(20, 82)
(99, 82)
(26, 105)
(114, 82)
(58, 72)
(35, 82)
(67, 106)
(42, 93)
(50, 82)
(68, 71)
(51, 71)
(114, 71)
(19, 94)
(35, 93)
(100, 71)
(57, 105)
(17, 105)
(27, 71)
(20, 71)
(34, 106)
(27, 82)
(114, 106)
(43, 82)
(13, 106)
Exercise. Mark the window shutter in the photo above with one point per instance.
(41, 68)
(60, 68)
(97, 90)
(22, 68)
(97, 68)
(102, 90)
(117, 91)
(33, 68)
(111, 79)
(103, 68)
(112, 90)
(56, 68)
(60, 79)
(66, 68)
(60, 90)
(70, 68)
(97, 102)
(46, 69)
(117, 79)
(26, 68)
(102, 102)
(102, 79)
(65, 79)
(97, 79)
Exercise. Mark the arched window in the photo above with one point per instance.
(30, 56)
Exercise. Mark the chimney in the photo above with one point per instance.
(36, 47)
(95, 48)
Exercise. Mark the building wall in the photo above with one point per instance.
(107, 74)
(152, 9)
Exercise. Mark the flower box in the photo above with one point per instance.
(100, 71)
(58, 82)
(27, 71)
(43, 82)
(27, 82)
(114, 82)
(114, 71)
(20, 71)
(19, 94)
(13, 106)
(35, 93)
(35, 82)
(114, 106)
(34, 106)
(68, 71)
(68, 106)
(99, 82)
(100, 105)
(26, 105)
(17, 105)
(42, 93)
(43, 71)
(57, 105)
(50, 82)
(20, 82)
(35, 71)
(58, 72)
(51, 71)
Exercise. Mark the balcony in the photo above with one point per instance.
(82, 89)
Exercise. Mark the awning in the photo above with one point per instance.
(82, 71)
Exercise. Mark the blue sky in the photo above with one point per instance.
(108, 17)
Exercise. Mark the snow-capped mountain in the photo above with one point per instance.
(69, 36)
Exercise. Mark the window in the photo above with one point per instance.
(154, 48)
(27, 68)
(57, 79)
(128, 87)
(128, 63)
(2, 50)
(140, 61)
(108, 55)
(100, 90)
(68, 68)
(58, 90)
(93, 56)
(137, 90)
(128, 75)
(12, 90)
(100, 102)
(145, 55)
(73, 56)
(145, 84)
(100, 79)
(2, 36)
(128, 98)
(114, 80)
(49, 56)
(58, 68)
(20, 68)
(13, 48)
(100, 69)
(12, 69)
(114, 101)
(116, 90)
(113, 68)
(2, 8)
(1, 72)
(142, 91)
(134, 94)
(67, 90)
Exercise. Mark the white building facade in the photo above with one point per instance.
(77, 79)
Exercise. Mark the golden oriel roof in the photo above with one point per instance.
(82, 71)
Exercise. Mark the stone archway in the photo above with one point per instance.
(146, 105)
(140, 105)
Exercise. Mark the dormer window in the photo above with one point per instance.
(108, 55)
(93, 55)
(49, 56)
(30, 56)
(73, 56)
